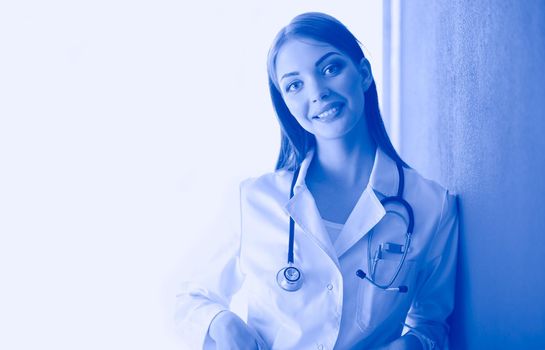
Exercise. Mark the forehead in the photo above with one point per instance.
(298, 54)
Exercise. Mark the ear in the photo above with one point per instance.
(366, 75)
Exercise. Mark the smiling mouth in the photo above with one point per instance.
(331, 112)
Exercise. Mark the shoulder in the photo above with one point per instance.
(431, 196)
(276, 183)
(416, 183)
(435, 211)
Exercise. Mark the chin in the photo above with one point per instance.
(332, 135)
(331, 132)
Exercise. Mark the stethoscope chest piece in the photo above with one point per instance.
(289, 278)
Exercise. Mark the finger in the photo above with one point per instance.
(261, 345)
(258, 343)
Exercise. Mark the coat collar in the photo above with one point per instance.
(367, 212)
(384, 177)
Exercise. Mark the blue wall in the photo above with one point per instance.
(473, 118)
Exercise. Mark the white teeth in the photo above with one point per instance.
(328, 112)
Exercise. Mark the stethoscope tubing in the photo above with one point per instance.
(292, 223)
(292, 285)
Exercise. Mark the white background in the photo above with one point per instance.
(125, 126)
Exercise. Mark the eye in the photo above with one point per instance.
(332, 69)
(294, 86)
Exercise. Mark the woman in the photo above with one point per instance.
(343, 246)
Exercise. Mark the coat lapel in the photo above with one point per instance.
(366, 214)
(304, 212)
(302, 208)
(368, 210)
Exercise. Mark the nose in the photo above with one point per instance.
(321, 95)
(319, 92)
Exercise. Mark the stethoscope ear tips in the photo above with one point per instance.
(360, 274)
(400, 289)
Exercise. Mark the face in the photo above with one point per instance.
(322, 87)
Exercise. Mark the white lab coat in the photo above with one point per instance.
(334, 308)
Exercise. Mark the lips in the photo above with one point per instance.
(331, 110)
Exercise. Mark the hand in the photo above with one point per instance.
(231, 333)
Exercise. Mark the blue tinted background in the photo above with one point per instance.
(116, 118)
(473, 104)
(125, 127)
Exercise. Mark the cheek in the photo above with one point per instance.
(353, 86)
(297, 109)
(355, 89)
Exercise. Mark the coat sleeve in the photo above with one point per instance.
(434, 300)
(198, 301)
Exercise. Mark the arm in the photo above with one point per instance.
(205, 300)
(434, 300)
(198, 302)
(230, 332)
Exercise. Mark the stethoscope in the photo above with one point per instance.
(290, 278)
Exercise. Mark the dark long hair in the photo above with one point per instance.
(295, 141)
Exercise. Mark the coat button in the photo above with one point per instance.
(320, 347)
(330, 286)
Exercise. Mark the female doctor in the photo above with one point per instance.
(344, 246)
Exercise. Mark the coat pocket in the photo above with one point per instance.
(376, 306)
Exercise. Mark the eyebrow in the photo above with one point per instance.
(320, 60)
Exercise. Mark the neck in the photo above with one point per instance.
(345, 162)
